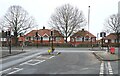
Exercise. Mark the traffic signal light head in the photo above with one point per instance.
(36, 34)
(51, 33)
(9, 33)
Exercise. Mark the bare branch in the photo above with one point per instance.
(67, 19)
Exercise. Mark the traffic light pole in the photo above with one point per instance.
(52, 42)
(37, 41)
(10, 44)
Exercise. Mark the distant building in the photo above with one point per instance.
(111, 39)
(44, 36)
(82, 37)
(4, 39)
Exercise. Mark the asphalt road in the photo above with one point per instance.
(82, 61)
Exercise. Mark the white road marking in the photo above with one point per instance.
(102, 68)
(44, 57)
(28, 62)
(25, 62)
(17, 69)
(39, 61)
(35, 63)
(5, 70)
(38, 56)
(110, 68)
(51, 57)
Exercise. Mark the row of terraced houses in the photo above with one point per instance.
(45, 38)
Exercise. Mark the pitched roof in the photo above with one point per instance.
(111, 36)
(83, 33)
(43, 32)
(31, 33)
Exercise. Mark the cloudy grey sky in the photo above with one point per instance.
(41, 10)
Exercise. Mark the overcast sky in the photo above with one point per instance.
(41, 10)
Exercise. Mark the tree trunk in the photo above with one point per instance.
(16, 41)
(66, 39)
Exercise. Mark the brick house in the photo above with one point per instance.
(111, 39)
(5, 40)
(44, 36)
(82, 37)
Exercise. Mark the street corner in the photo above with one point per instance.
(98, 56)
(106, 56)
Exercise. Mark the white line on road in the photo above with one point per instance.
(102, 68)
(28, 62)
(17, 69)
(5, 70)
(51, 57)
(110, 68)
(39, 61)
(36, 62)
(38, 56)
(25, 62)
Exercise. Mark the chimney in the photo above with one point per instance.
(43, 27)
(83, 30)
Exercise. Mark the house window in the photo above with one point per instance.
(28, 38)
(58, 38)
(72, 39)
(112, 41)
(3, 39)
(78, 39)
(35, 38)
(86, 39)
(45, 38)
(32, 38)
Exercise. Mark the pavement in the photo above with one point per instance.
(106, 56)
(4, 51)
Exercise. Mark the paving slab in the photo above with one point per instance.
(106, 56)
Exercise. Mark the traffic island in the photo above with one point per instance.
(106, 56)
(54, 53)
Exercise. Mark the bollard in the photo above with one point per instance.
(112, 50)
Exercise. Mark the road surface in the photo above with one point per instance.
(70, 61)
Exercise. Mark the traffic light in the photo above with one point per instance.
(15, 34)
(102, 34)
(9, 33)
(51, 33)
(3, 33)
(36, 34)
(20, 34)
(6, 33)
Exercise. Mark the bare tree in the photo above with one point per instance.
(67, 19)
(18, 20)
(112, 25)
